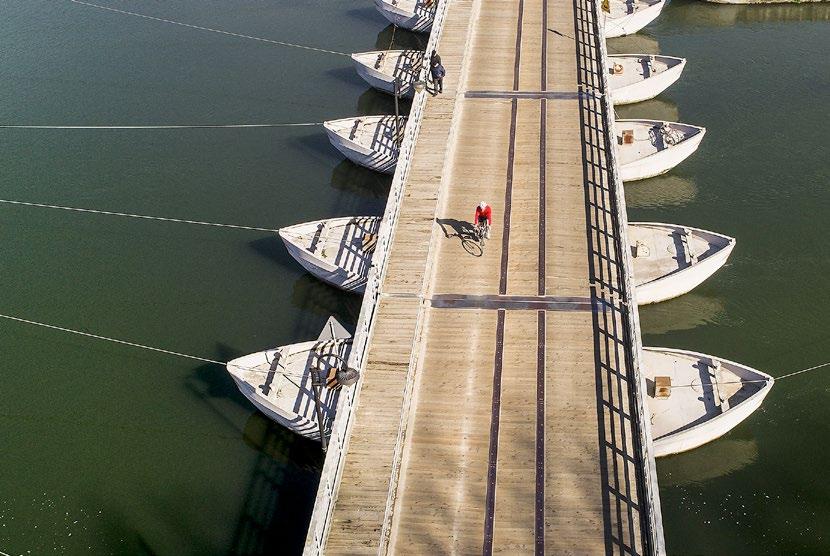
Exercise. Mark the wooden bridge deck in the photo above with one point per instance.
(495, 412)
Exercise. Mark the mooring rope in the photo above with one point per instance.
(193, 126)
(142, 216)
(280, 43)
(141, 346)
(782, 377)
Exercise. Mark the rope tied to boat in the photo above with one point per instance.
(140, 216)
(139, 346)
(280, 43)
(782, 377)
(145, 127)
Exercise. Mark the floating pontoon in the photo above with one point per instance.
(639, 77)
(629, 16)
(648, 148)
(695, 398)
(281, 382)
(380, 68)
(370, 141)
(671, 260)
(338, 251)
(415, 15)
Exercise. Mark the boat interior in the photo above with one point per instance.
(639, 139)
(422, 8)
(347, 243)
(378, 133)
(659, 250)
(626, 70)
(701, 388)
(285, 376)
(622, 8)
(405, 65)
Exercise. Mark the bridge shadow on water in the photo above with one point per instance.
(281, 491)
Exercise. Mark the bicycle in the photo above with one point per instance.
(482, 232)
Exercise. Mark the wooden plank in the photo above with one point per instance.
(515, 437)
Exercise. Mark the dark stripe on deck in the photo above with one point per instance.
(492, 464)
(511, 302)
(524, 95)
(541, 336)
(493, 457)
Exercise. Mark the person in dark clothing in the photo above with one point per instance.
(438, 72)
(434, 59)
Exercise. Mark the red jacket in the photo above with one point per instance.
(486, 212)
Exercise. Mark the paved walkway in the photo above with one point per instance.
(496, 410)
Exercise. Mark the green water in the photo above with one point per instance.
(757, 77)
(111, 450)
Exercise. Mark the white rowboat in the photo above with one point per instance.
(707, 397)
(670, 260)
(370, 141)
(648, 148)
(629, 16)
(639, 77)
(380, 68)
(338, 251)
(414, 15)
(279, 382)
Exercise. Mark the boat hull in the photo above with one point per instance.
(381, 81)
(361, 155)
(384, 81)
(404, 18)
(292, 421)
(714, 428)
(632, 23)
(683, 281)
(661, 161)
(325, 271)
(690, 439)
(647, 88)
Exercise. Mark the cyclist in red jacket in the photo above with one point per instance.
(484, 217)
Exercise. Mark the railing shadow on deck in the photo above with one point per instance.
(630, 524)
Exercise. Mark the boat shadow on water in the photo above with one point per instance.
(211, 382)
(403, 39)
(346, 74)
(357, 180)
(272, 248)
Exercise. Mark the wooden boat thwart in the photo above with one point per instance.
(414, 15)
(648, 148)
(695, 398)
(279, 382)
(639, 77)
(670, 260)
(370, 141)
(338, 251)
(629, 16)
(380, 68)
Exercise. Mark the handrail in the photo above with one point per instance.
(347, 403)
(649, 470)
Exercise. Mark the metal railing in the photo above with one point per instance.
(338, 441)
(649, 471)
